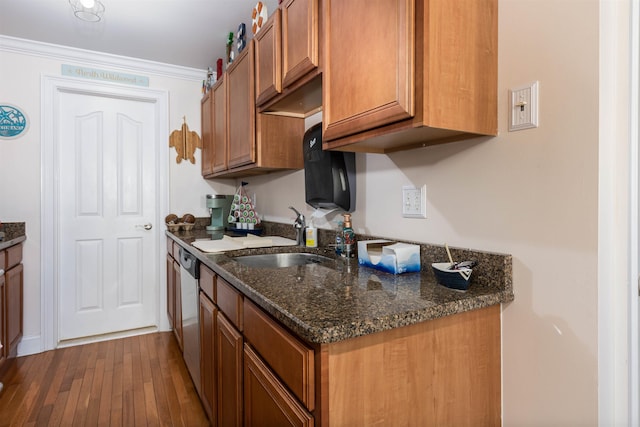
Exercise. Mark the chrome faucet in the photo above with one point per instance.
(299, 224)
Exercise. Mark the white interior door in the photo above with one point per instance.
(106, 206)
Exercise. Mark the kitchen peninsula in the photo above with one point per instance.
(340, 344)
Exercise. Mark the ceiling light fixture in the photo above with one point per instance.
(87, 10)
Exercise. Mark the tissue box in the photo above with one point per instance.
(389, 256)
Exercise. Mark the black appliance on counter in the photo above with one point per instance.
(329, 176)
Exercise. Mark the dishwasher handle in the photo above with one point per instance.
(189, 262)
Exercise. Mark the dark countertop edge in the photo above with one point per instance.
(327, 335)
(8, 243)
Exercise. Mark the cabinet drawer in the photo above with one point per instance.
(208, 282)
(287, 356)
(266, 401)
(14, 256)
(229, 302)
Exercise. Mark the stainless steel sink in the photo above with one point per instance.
(281, 260)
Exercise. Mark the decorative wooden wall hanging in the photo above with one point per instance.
(185, 142)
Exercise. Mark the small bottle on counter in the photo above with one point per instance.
(338, 244)
(348, 238)
(311, 235)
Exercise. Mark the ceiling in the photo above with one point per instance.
(190, 33)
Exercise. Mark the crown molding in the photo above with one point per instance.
(89, 57)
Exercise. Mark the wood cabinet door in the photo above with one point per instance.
(3, 340)
(269, 59)
(266, 401)
(171, 292)
(206, 125)
(291, 360)
(219, 127)
(228, 346)
(300, 20)
(241, 109)
(177, 315)
(14, 301)
(208, 313)
(368, 68)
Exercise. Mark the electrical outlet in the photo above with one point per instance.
(414, 201)
(523, 107)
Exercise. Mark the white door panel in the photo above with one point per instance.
(107, 272)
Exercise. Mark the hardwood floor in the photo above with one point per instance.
(136, 381)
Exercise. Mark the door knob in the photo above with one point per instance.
(145, 226)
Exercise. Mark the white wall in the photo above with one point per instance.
(532, 193)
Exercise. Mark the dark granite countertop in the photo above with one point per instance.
(14, 233)
(324, 303)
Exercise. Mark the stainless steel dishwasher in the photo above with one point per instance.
(189, 275)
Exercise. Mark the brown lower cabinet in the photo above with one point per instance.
(174, 299)
(11, 301)
(255, 372)
(237, 386)
(229, 372)
(208, 388)
(177, 329)
(3, 354)
(266, 401)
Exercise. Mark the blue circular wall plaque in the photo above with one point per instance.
(13, 122)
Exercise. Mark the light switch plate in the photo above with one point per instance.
(414, 201)
(523, 107)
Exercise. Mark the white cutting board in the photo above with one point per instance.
(234, 243)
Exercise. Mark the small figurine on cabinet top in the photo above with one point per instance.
(218, 69)
(208, 84)
(259, 16)
(241, 38)
(230, 54)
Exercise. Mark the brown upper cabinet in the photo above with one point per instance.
(243, 142)
(408, 73)
(219, 134)
(288, 47)
(241, 112)
(268, 43)
(206, 112)
(388, 75)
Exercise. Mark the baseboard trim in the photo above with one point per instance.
(30, 345)
(107, 337)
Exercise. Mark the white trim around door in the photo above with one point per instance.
(51, 87)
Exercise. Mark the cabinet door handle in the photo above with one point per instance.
(145, 226)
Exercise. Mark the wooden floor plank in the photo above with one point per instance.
(58, 409)
(126, 382)
(25, 387)
(116, 395)
(104, 413)
(139, 407)
(80, 417)
(72, 402)
(162, 403)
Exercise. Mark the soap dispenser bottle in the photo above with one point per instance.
(348, 238)
(338, 244)
(311, 235)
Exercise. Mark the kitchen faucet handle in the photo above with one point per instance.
(299, 216)
(299, 222)
(295, 210)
